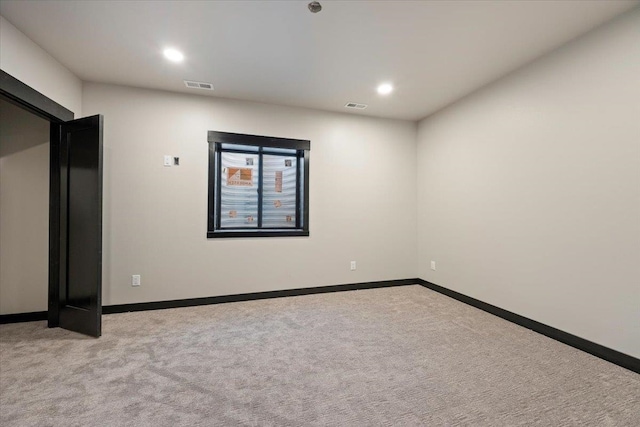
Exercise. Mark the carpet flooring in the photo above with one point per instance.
(402, 356)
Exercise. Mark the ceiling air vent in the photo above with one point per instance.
(198, 85)
(355, 106)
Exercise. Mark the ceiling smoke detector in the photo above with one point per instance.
(315, 7)
(198, 85)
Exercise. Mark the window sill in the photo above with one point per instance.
(256, 233)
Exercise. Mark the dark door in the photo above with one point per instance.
(80, 289)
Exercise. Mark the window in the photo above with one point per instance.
(258, 186)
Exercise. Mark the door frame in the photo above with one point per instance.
(26, 97)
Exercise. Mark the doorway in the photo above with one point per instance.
(24, 210)
(74, 209)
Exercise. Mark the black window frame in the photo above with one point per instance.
(215, 140)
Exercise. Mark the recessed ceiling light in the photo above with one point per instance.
(385, 89)
(173, 55)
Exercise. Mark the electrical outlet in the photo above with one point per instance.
(135, 280)
(168, 160)
(433, 265)
(353, 265)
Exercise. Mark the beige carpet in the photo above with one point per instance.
(399, 356)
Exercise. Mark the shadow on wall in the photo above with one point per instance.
(20, 130)
(24, 210)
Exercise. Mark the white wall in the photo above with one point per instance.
(529, 190)
(24, 210)
(362, 198)
(29, 63)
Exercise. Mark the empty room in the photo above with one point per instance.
(323, 213)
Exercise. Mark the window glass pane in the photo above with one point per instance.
(301, 194)
(239, 190)
(279, 192)
(288, 151)
(240, 147)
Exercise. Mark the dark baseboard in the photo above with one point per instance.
(23, 317)
(156, 305)
(610, 355)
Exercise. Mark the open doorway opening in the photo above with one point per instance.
(24, 211)
(74, 212)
